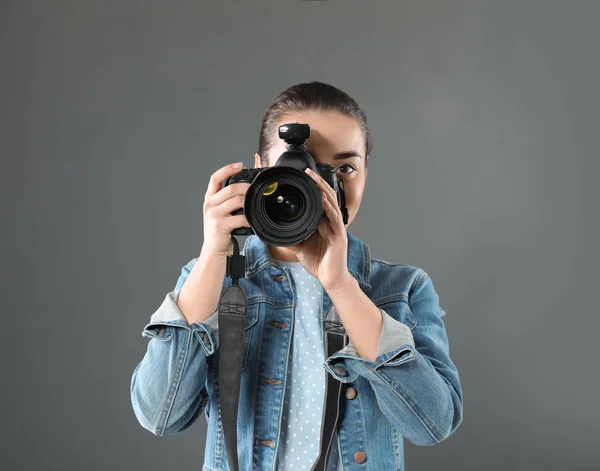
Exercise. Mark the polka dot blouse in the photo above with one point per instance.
(305, 388)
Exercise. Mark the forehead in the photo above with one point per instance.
(330, 131)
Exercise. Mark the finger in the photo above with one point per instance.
(233, 222)
(229, 206)
(228, 192)
(323, 185)
(327, 202)
(324, 228)
(334, 215)
(217, 178)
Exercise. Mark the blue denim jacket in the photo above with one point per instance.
(411, 390)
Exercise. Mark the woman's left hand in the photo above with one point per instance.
(324, 254)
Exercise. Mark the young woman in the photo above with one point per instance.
(397, 376)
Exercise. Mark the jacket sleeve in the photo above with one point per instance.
(416, 383)
(168, 390)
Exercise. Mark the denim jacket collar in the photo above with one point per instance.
(359, 258)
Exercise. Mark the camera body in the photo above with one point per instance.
(283, 204)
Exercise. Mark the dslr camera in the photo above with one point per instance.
(284, 204)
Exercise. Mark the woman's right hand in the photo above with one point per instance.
(219, 203)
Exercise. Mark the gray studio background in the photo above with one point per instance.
(484, 116)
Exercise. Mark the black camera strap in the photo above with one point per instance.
(232, 311)
(233, 308)
(335, 341)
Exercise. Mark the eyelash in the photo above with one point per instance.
(347, 165)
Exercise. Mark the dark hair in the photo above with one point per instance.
(309, 96)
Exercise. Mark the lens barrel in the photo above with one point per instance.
(283, 205)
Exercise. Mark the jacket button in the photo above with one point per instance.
(280, 278)
(206, 338)
(360, 457)
(350, 393)
(340, 370)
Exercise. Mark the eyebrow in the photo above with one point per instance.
(341, 155)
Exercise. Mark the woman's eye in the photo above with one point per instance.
(352, 169)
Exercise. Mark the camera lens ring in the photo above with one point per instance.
(293, 231)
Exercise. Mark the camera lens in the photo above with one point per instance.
(283, 205)
(290, 207)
